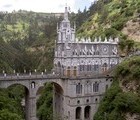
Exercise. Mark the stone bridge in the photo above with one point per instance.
(64, 91)
(32, 84)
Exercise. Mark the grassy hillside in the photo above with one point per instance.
(27, 41)
(113, 18)
(122, 100)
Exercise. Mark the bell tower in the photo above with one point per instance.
(65, 37)
(66, 33)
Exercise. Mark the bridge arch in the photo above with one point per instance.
(18, 82)
(25, 98)
(58, 98)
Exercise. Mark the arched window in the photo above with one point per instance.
(106, 87)
(82, 67)
(75, 71)
(79, 89)
(87, 112)
(104, 67)
(69, 115)
(59, 67)
(88, 67)
(33, 85)
(68, 71)
(96, 67)
(87, 88)
(112, 64)
(97, 53)
(73, 53)
(80, 53)
(95, 87)
(58, 64)
(87, 53)
(78, 113)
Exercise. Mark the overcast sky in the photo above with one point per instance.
(43, 5)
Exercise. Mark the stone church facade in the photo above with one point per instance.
(84, 65)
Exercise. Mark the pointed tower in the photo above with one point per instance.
(65, 32)
(66, 36)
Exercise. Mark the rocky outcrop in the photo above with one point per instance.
(132, 29)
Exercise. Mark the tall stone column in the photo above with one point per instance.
(82, 113)
(32, 103)
(54, 111)
(33, 108)
(27, 101)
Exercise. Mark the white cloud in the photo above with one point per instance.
(36, 5)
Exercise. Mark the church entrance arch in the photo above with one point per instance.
(87, 112)
(78, 113)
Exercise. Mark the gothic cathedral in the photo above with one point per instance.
(83, 63)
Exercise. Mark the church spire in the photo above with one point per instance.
(66, 13)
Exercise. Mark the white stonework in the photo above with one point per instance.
(82, 64)
(82, 55)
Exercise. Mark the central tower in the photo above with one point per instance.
(66, 33)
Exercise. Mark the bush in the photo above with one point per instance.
(118, 25)
(129, 12)
(116, 103)
(44, 104)
(111, 32)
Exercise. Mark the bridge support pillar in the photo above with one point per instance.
(54, 112)
(31, 105)
(32, 108)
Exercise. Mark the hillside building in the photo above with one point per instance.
(82, 57)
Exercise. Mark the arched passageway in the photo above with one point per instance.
(87, 112)
(50, 96)
(58, 99)
(78, 113)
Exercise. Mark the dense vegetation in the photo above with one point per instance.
(121, 98)
(107, 18)
(44, 104)
(27, 43)
(10, 103)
